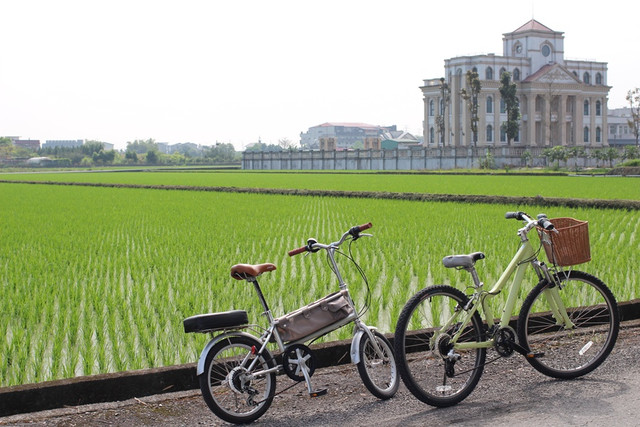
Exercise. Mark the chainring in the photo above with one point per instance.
(295, 358)
(504, 340)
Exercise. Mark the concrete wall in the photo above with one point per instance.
(402, 159)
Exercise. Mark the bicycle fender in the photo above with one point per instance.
(215, 340)
(355, 345)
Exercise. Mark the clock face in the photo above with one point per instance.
(546, 50)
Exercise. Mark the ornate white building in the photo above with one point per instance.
(562, 102)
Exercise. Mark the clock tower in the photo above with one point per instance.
(537, 42)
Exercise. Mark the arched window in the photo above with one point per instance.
(598, 78)
(503, 107)
(598, 134)
(474, 69)
(586, 134)
(488, 73)
(431, 107)
(586, 107)
(489, 104)
(489, 133)
(598, 108)
(503, 135)
(516, 75)
(432, 135)
(586, 78)
(502, 71)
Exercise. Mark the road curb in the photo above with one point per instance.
(129, 384)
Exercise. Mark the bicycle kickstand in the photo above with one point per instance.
(301, 361)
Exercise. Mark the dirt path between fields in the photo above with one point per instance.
(609, 395)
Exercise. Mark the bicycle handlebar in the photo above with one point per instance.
(542, 220)
(311, 245)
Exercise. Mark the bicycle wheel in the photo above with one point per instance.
(379, 374)
(575, 351)
(430, 367)
(226, 385)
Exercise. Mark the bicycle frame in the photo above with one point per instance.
(524, 256)
(272, 334)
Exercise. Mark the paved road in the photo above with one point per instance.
(608, 396)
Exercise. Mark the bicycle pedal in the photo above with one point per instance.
(318, 393)
(534, 355)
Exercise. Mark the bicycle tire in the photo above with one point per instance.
(227, 394)
(380, 376)
(570, 353)
(418, 347)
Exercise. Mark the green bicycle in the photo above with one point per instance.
(567, 326)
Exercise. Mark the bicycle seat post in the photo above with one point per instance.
(474, 274)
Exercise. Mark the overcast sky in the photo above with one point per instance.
(208, 71)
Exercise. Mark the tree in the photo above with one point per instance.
(512, 106)
(471, 96)
(131, 156)
(152, 157)
(633, 96)
(610, 154)
(286, 144)
(445, 97)
(556, 154)
(6, 147)
(630, 152)
(575, 152)
(141, 146)
(526, 158)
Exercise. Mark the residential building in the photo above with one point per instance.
(619, 131)
(562, 101)
(66, 143)
(340, 136)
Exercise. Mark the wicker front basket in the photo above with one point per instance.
(570, 246)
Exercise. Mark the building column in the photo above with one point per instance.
(605, 123)
(562, 124)
(546, 120)
(577, 119)
(531, 119)
(592, 122)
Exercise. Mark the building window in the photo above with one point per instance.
(598, 108)
(598, 78)
(489, 105)
(431, 107)
(432, 135)
(489, 133)
(474, 69)
(586, 78)
(489, 73)
(503, 107)
(612, 129)
(598, 134)
(516, 75)
(586, 134)
(586, 108)
(546, 50)
(503, 135)
(502, 71)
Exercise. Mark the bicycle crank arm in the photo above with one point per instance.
(526, 353)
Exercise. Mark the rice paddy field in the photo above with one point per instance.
(598, 187)
(96, 280)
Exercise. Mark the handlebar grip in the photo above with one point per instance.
(365, 226)
(297, 251)
(514, 215)
(546, 224)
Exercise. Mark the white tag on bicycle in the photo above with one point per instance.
(443, 388)
(586, 347)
